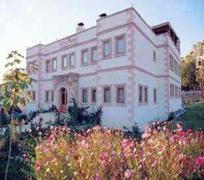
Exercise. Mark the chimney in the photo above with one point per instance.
(103, 15)
(80, 27)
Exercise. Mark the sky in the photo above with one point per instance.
(24, 23)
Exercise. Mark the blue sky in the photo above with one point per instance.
(25, 23)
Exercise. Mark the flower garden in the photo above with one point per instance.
(101, 153)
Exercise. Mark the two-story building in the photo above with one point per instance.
(122, 63)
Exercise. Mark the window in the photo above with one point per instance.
(140, 94)
(143, 94)
(120, 45)
(72, 60)
(54, 64)
(154, 56)
(33, 96)
(32, 67)
(93, 54)
(107, 48)
(52, 96)
(171, 90)
(120, 95)
(93, 95)
(175, 67)
(176, 91)
(85, 57)
(46, 96)
(47, 66)
(107, 95)
(155, 95)
(84, 95)
(64, 62)
(146, 94)
(171, 64)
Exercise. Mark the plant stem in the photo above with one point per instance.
(10, 146)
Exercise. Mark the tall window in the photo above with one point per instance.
(64, 62)
(155, 95)
(47, 66)
(84, 95)
(176, 91)
(143, 94)
(154, 56)
(175, 66)
(93, 54)
(85, 57)
(47, 96)
(52, 95)
(120, 45)
(171, 90)
(171, 63)
(107, 48)
(72, 60)
(120, 95)
(93, 95)
(54, 64)
(34, 97)
(140, 94)
(107, 95)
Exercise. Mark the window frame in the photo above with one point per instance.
(155, 96)
(47, 96)
(82, 57)
(48, 66)
(33, 96)
(62, 61)
(104, 87)
(144, 94)
(103, 48)
(69, 61)
(82, 95)
(154, 56)
(54, 59)
(117, 38)
(172, 90)
(91, 95)
(91, 54)
(124, 94)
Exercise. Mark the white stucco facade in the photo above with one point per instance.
(144, 62)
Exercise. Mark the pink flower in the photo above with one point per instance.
(145, 135)
(97, 177)
(104, 158)
(200, 161)
(128, 173)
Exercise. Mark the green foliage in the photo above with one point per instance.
(83, 115)
(188, 72)
(200, 79)
(15, 81)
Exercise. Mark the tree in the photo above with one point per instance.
(15, 81)
(188, 72)
(200, 79)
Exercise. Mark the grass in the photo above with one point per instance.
(193, 117)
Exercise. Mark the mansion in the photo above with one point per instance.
(129, 68)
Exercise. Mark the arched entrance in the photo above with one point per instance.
(63, 100)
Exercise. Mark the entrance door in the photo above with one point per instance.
(63, 100)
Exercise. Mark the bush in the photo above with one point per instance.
(83, 115)
(102, 153)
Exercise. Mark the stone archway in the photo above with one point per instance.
(63, 100)
(65, 88)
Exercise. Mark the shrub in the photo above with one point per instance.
(83, 115)
(102, 153)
